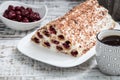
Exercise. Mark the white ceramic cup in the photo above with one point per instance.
(108, 56)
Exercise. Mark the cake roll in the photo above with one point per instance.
(75, 32)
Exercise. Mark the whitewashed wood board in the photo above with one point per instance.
(16, 66)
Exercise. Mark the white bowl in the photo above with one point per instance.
(42, 10)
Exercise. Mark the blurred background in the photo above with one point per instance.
(57, 8)
(113, 6)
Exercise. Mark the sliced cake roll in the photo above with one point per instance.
(74, 33)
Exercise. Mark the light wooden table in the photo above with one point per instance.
(16, 66)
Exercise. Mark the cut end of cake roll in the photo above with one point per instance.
(74, 33)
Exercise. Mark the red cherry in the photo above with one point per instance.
(6, 11)
(52, 30)
(18, 12)
(17, 8)
(11, 15)
(26, 12)
(19, 18)
(61, 37)
(36, 15)
(55, 41)
(25, 20)
(28, 16)
(22, 8)
(74, 52)
(29, 9)
(5, 15)
(23, 12)
(59, 48)
(66, 44)
(36, 40)
(11, 7)
(31, 16)
(47, 44)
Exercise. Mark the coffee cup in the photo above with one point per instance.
(108, 51)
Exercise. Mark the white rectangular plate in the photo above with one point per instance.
(36, 52)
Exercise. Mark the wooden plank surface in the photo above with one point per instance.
(16, 66)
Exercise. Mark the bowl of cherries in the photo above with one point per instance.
(21, 16)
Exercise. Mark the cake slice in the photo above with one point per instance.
(74, 33)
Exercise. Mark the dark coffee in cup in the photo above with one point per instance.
(113, 40)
